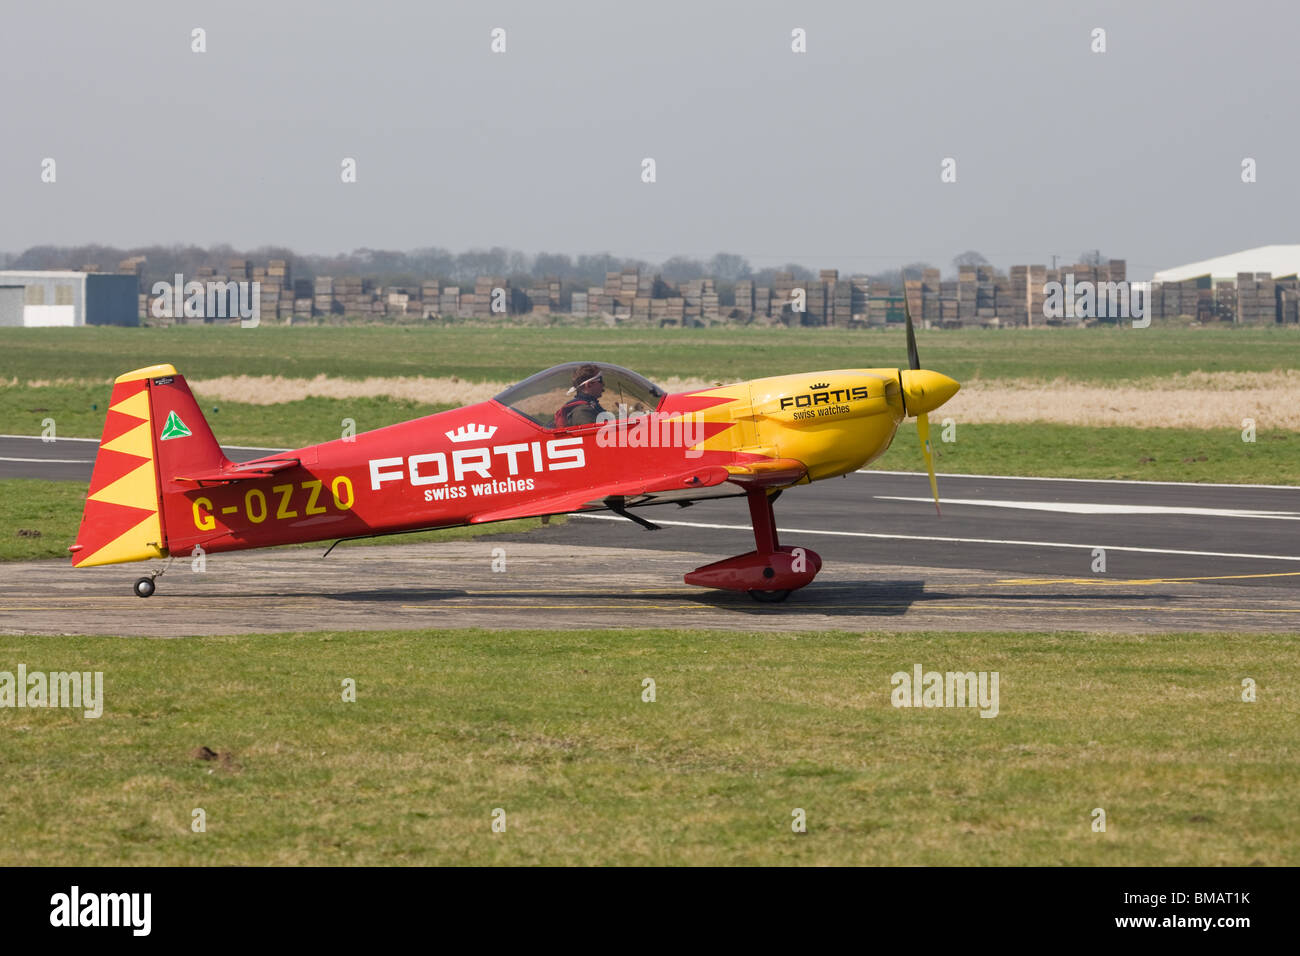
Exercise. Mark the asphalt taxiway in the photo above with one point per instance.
(1007, 553)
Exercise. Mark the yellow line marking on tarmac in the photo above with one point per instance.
(1120, 581)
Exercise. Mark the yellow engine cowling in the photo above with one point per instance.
(834, 422)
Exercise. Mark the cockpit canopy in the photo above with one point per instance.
(540, 397)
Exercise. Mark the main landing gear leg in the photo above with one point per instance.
(763, 519)
(770, 572)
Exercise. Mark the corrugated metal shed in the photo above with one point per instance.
(72, 298)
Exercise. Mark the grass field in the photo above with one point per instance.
(79, 411)
(551, 728)
(716, 354)
(64, 373)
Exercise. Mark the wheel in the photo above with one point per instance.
(144, 587)
(769, 597)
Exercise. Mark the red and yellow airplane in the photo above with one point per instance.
(577, 437)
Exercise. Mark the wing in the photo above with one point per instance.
(769, 473)
(592, 496)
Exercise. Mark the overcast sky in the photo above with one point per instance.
(828, 158)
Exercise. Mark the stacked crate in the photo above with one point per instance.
(1035, 294)
(1256, 298)
(449, 300)
(861, 287)
(986, 303)
(966, 295)
(783, 285)
(268, 292)
(949, 308)
(814, 303)
(841, 312)
(1018, 279)
(350, 292)
(323, 296)
(763, 301)
(931, 296)
(745, 296)
(610, 293)
(278, 276)
(629, 284)
(1223, 302)
(1011, 299)
(668, 311)
(824, 294)
(481, 305)
(1288, 300)
(693, 293)
(578, 303)
(429, 293)
(879, 302)
(396, 301)
(710, 304)
(912, 289)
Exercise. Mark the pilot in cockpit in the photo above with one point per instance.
(584, 407)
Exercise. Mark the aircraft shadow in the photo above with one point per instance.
(394, 595)
(892, 598)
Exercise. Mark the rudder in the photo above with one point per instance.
(148, 411)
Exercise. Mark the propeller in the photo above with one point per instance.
(922, 391)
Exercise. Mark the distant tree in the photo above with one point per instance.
(729, 267)
(1093, 257)
(969, 258)
(481, 262)
(683, 269)
(553, 264)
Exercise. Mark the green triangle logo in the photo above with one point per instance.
(175, 428)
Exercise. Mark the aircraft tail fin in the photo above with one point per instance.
(154, 431)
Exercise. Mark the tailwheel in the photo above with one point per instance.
(769, 597)
(144, 587)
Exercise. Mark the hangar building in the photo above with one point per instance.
(68, 298)
(1277, 261)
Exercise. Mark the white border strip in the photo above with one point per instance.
(57, 440)
(926, 537)
(1086, 481)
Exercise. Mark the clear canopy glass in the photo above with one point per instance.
(550, 398)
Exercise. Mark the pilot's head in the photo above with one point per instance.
(587, 381)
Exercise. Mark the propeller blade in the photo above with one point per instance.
(913, 359)
(923, 429)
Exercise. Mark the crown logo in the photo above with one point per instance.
(471, 433)
(822, 385)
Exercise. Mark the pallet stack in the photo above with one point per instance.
(841, 298)
(967, 284)
(931, 296)
(323, 299)
(480, 306)
(1288, 300)
(880, 302)
(449, 300)
(745, 296)
(1256, 298)
(1036, 294)
(986, 301)
(912, 289)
